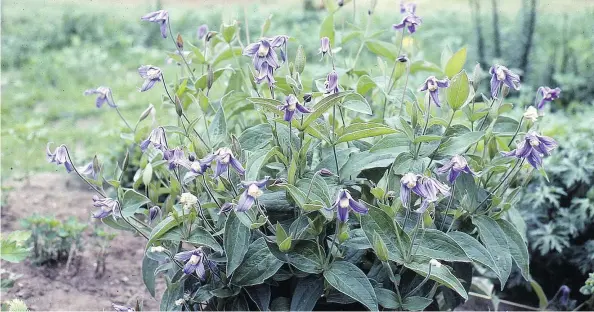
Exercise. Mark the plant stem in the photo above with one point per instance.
(209, 191)
(516, 133)
(404, 90)
(412, 241)
(334, 141)
(181, 53)
(448, 207)
(498, 186)
(80, 175)
(503, 301)
(332, 243)
(123, 119)
(441, 139)
(424, 127)
(391, 84)
(362, 42)
(412, 292)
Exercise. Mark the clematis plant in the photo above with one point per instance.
(249, 199)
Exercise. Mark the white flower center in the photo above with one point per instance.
(226, 159)
(194, 259)
(254, 191)
(548, 96)
(431, 85)
(196, 167)
(292, 106)
(500, 74)
(153, 73)
(534, 142)
(262, 50)
(343, 203)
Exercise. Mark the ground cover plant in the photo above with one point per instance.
(352, 183)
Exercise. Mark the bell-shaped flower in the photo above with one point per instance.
(344, 203)
(175, 157)
(433, 85)
(546, 95)
(151, 75)
(157, 138)
(324, 46)
(103, 95)
(533, 148)
(502, 75)
(331, 83)
(154, 212)
(106, 206)
(202, 31)
(224, 157)
(410, 21)
(292, 104)
(425, 187)
(59, 156)
(408, 7)
(89, 170)
(253, 190)
(160, 17)
(194, 262)
(455, 166)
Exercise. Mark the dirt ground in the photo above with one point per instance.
(51, 288)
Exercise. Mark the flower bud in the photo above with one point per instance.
(504, 90)
(531, 114)
(157, 249)
(179, 42)
(178, 106)
(325, 45)
(210, 35)
(210, 77)
(325, 173)
(307, 97)
(192, 157)
(226, 207)
(154, 212)
(146, 112)
(402, 59)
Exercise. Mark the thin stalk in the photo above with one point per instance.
(448, 207)
(503, 301)
(424, 127)
(332, 243)
(404, 90)
(80, 175)
(309, 188)
(334, 141)
(412, 241)
(392, 278)
(247, 31)
(516, 133)
(209, 191)
(441, 140)
(181, 53)
(230, 182)
(362, 42)
(290, 143)
(497, 187)
(123, 119)
(391, 84)
(412, 292)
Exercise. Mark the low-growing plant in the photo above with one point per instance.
(102, 239)
(336, 187)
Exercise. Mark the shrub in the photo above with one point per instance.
(326, 188)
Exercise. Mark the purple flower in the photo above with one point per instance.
(226, 207)
(324, 45)
(501, 75)
(292, 104)
(547, 95)
(345, 202)
(433, 85)
(564, 291)
(324, 172)
(154, 212)
(151, 75)
(175, 157)
(106, 207)
(197, 168)
(253, 190)
(264, 57)
(533, 148)
(59, 156)
(331, 83)
(410, 21)
(455, 166)
(89, 170)
(157, 138)
(103, 95)
(202, 31)
(425, 187)
(121, 308)
(161, 17)
(194, 260)
(408, 8)
(224, 157)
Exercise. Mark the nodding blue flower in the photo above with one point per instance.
(253, 190)
(106, 206)
(157, 138)
(533, 148)
(59, 156)
(331, 83)
(196, 167)
(161, 17)
(224, 157)
(564, 291)
(292, 104)
(425, 187)
(154, 212)
(408, 8)
(546, 94)
(344, 203)
(433, 85)
(455, 166)
(324, 45)
(202, 31)
(175, 157)
(89, 170)
(151, 75)
(264, 57)
(194, 260)
(121, 308)
(502, 75)
(410, 21)
(103, 95)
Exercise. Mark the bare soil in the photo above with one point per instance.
(51, 287)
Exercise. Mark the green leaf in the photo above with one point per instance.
(256, 161)
(9, 251)
(131, 201)
(161, 228)
(458, 92)
(172, 293)
(427, 138)
(416, 303)
(381, 251)
(148, 273)
(382, 48)
(147, 174)
(304, 256)
(440, 274)
(218, 127)
(198, 237)
(256, 137)
(456, 63)
(258, 265)
(351, 281)
(300, 60)
(364, 84)
(226, 54)
(358, 131)
(201, 83)
(236, 242)
(437, 245)
(378, 221)
(260, 295)
(300, 199)
(358, 162)
(282, 239)
(18, 236)
(327, 28)
(307, 292)
(229, 31)
(387, 298)
(269, 105)
(459, 144)
(356, 103)
(393, 143)
(474, 249)
(321, 107)
(517, 247)
(495, 239)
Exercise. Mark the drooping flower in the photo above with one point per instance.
(226, 207)
(264, 57)
(331, 83)
(455, 166)
(197, 168)
(324, 45)
(161, 17)
(188, 200)
(89, 170)
(292, 104)
(202, 31)
(103, 95)
(344, 203)
(432, 85)
(106, 206)
(224, 157)
(502, 75)
(546, 94)
(410, 21)
(408, 7)
(564, 290)
(59, 156)
(157, 138)
(121, 308)
(151, 75)
(426, 187)
(531, 114)
(533, 148)
(194, 260)
(154, 212)
(253, 190)
(175, 157)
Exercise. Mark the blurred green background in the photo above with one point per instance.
(54, 50)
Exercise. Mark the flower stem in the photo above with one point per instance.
(448, 207)
(424, 127)
(209, 191)
(334, 141)
(441, 139)
(332, 243)
(516, 133)
(80, 175)
(391, 84)
(498, 186)
(181, 53)
(412, 241)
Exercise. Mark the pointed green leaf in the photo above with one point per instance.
(456, 63)
(440, 274)
(321, 107)
(474, 250)
(458, 91)
(258, 265)
(351, 281)
(131, 201)
(379, 221)
(358, 131)
(517, 247)
(495, 239)
(218, 127)
(236, 242)
(307, 292)
(327, 28)
(436, 244)
(382, 48)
